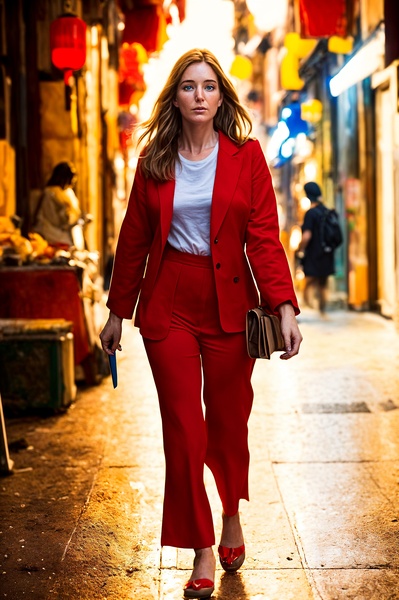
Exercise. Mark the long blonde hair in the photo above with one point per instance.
(162, 129)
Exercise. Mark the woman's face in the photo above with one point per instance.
(198, 94)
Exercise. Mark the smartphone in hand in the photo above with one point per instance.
(112, 366)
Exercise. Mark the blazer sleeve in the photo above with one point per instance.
(134, 242)
(264, 250)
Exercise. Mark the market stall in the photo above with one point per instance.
(39, 281)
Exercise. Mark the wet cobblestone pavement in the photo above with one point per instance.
(80, 516)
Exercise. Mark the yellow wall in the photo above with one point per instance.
(7, 179)
(56, 127)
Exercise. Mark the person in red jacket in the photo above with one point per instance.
(199, 246)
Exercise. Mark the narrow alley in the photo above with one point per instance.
(81, 513)
(99, 97)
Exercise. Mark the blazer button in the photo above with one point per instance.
(215, 241)
(217, 265)
(236, 279)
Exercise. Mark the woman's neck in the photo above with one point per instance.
(197, 143)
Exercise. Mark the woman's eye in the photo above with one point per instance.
(210, 88)
(187, 87)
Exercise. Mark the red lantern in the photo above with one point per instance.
(68, 44)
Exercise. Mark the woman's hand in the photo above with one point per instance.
(290, 330)
(111, 334)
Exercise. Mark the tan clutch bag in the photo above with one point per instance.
(263, 333)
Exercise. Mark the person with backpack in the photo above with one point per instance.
(321, 235)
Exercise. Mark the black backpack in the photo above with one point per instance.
(330, 230)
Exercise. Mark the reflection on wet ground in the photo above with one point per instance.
(323, 520)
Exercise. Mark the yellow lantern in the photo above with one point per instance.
(295, 44)
(289, 73)
(312, 110)
(296, 48)
(339, 45)
(241, 67)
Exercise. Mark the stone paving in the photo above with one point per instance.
(80, 516)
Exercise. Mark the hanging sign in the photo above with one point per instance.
(323, 19)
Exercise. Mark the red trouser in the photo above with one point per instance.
(198, 352)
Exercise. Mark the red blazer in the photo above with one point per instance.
(244, 229)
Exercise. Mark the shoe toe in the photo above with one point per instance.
(199, 588)
(231, 559)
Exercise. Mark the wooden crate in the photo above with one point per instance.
(36, 365)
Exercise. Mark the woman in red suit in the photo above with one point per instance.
(200, 245)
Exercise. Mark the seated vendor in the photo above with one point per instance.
(58, 217)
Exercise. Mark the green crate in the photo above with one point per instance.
(36, 365)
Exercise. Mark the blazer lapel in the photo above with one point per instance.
(228, 170)
(166, 193)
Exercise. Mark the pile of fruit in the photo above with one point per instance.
(16, 250)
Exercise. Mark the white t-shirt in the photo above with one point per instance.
(190, 227)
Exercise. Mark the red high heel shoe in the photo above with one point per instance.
(231, 559)
(199, 588)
